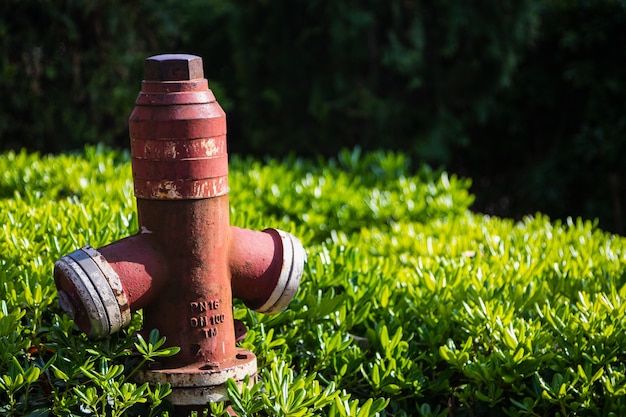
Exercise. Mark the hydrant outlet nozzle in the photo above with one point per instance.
(91, 292)
(294, 258)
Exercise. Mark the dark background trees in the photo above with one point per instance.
(526, 97)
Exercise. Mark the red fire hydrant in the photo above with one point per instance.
(186, 263)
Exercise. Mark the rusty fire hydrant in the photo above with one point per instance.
(186, 263)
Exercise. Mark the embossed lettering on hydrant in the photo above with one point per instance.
(203, 315)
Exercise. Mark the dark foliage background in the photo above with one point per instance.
(526, 97)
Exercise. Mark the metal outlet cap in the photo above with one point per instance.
(173, 67)
(90, 292)
(294, 258)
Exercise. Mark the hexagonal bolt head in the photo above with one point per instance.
(173, 67)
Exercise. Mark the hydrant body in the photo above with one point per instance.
(186, 263)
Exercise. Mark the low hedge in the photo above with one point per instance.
(411, 305)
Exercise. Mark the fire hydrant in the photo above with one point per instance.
(186, 263)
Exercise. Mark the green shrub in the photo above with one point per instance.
(408, 75)
(556, 138)
(524, 96)
(70, 70)
(410, 303)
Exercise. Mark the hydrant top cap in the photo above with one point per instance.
(173, 67)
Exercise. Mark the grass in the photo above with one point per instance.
(410, 305)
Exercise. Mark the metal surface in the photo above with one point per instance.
(193, 385)
(266, 267)
(178, 133)
(187, 263)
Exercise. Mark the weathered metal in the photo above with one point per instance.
(187, 262)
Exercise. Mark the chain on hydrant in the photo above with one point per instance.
(186, 263)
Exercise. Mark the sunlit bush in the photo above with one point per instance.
(410, 303)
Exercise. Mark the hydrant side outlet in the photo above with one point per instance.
(266, 268)
(187, 263)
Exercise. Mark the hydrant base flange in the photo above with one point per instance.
(200, 384)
